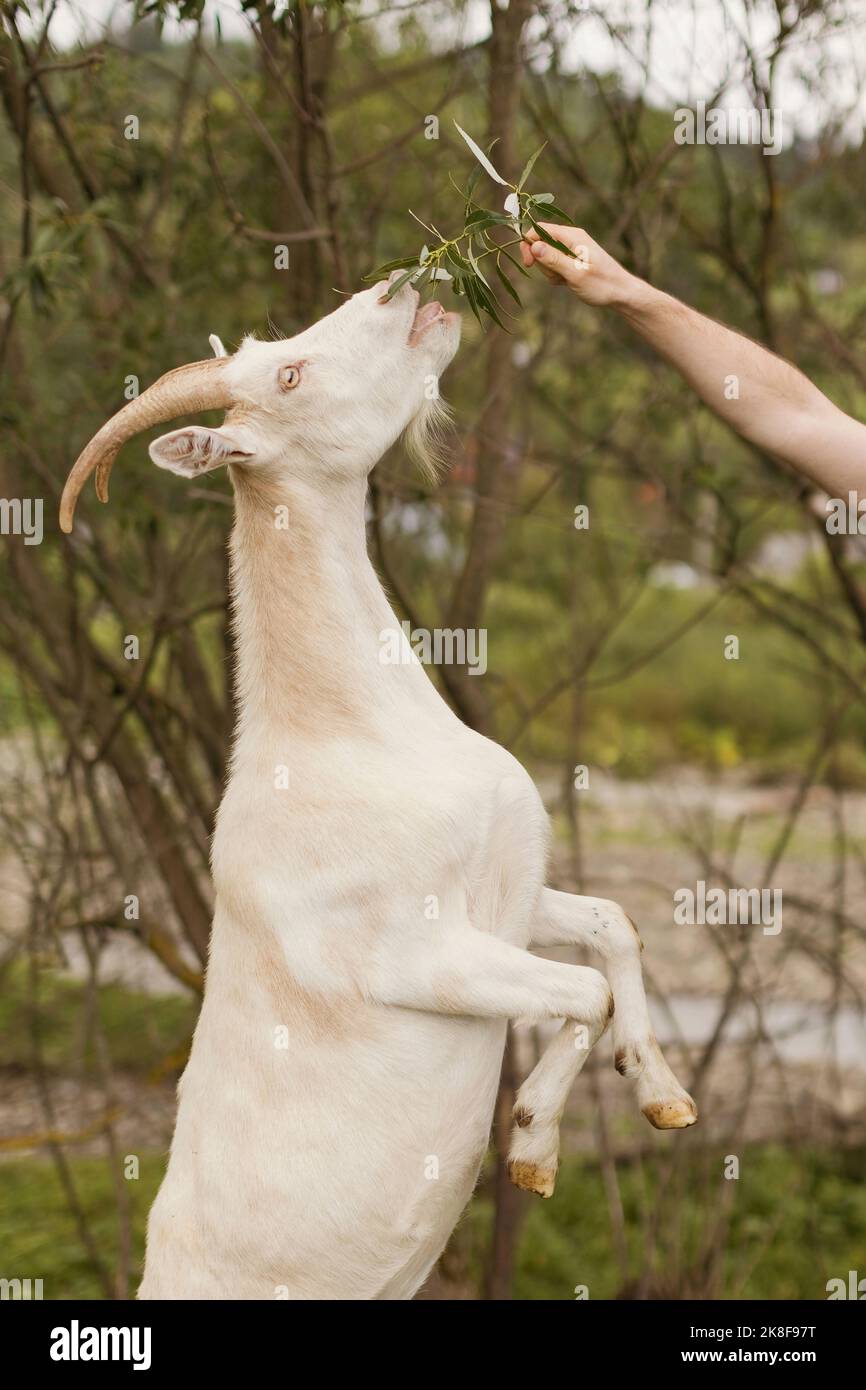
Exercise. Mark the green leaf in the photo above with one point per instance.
(506, 283)
(530, 164)
(401, 281)
(424, 278)
(518, 265)
(489, 304)
(465, 193)
(551, 210)
(402, 264)
(459, 263)
(474, 303)
(488, 218)
(471, 183)
(482, 157)
(480, 228)
(475, 265)
(551, 240)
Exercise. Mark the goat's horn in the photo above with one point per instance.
(197, 386)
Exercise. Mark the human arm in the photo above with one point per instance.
(764, 398)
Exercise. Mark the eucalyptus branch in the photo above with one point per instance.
(456, 260)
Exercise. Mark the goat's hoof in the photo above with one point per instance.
(671, 1114)
(530, 1178)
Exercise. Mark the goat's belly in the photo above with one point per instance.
(339, 1176)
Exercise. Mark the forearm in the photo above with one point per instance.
(765, 399)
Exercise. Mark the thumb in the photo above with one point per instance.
(550, 258)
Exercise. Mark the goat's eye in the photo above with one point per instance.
(289, 377)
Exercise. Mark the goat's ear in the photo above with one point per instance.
(195, 450)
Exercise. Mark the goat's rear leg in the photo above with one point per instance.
(564, 919)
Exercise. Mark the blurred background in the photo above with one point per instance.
(175, 169)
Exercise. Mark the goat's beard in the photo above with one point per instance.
(426, 438)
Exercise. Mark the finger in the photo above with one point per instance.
(568, 235)
(526, 255)
(553, 261)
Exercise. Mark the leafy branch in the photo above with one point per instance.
(458, 260)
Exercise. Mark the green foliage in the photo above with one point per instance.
(772, 1249)
(37, 1230)
(593, 414)
(140, 1030)
(457, 260)
(53, 258)
(798, 1219)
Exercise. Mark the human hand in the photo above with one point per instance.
(593, 274)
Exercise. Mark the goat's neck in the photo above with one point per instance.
(309, 611)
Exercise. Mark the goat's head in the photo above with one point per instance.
(323, 405)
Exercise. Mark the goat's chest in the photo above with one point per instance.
(472, 817)
(375, 830)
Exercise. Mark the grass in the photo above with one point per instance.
(37, 1232)
(799, 1219)
(140, 1029)
(688, 704)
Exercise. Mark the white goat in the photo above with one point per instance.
(379, 868)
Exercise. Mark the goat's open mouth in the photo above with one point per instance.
(425, 317)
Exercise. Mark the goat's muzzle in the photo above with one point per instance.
(184, 391)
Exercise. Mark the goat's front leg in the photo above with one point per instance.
(562, 919)
(461, 970)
